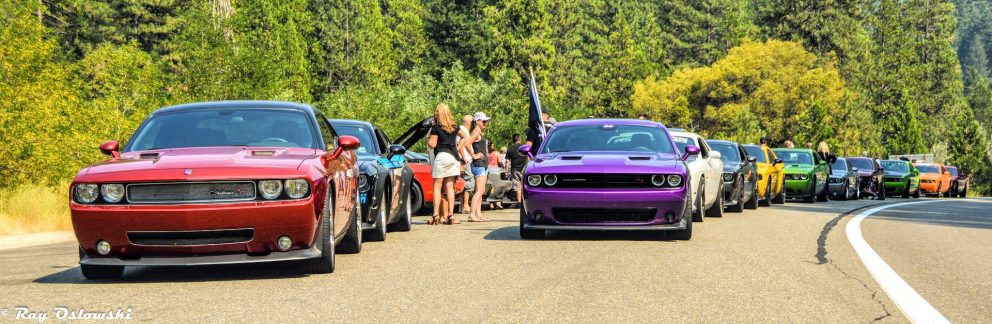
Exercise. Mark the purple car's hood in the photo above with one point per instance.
(617, 162)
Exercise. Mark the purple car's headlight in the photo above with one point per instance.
(534, 180)
(674, 180)
(550, 180)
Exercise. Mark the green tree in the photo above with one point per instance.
(354, 45)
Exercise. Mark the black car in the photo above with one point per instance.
(872, 173)
(385, 180)
(844, 182)
(740, 176)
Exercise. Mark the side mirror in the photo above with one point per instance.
(854, 169)
(395, 150)
(111, 148)
(345, 143)
(777, 161)
(525, 150)
(690, 150)
(752, 159)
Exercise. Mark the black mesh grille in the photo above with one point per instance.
(190, 192)
(603, 215)
(604, 181)
(191, 237)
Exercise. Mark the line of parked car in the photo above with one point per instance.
(621, 174)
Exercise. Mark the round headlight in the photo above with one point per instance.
(297, 188)
(534, 180)
(87, 193)
(674, 180)
(550, 180)
(270, 189)
(728, 177)
(363, 183)
(803, 177)
(112, 193)
(658, 180)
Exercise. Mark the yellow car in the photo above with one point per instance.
(770, 175)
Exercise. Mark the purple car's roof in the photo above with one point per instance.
(614, 121)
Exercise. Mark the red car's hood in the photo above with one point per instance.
(215, 159)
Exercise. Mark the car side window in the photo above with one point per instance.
(704, 150)
(327, 133)
(742, 153)
(771, 155)
(849, 165)
(383, 141)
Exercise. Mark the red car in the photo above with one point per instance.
(220, 183)
(423, 183)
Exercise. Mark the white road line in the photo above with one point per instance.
(909, 301)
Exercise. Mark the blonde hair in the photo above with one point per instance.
(823, 148)
(443, 118)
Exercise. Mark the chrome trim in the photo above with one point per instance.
(127, 192)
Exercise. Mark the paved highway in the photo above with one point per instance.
(791, 263)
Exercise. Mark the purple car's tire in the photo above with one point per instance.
(325, 235)
(684, 234)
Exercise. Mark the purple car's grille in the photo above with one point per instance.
(619, 181)
(190, 192)
(192, 237)
(603, 215)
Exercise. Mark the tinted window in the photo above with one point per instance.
(682, 142)
(728, 152)
(796, 157)
(226, 127)
(953, 171)
(364, 136)
(757, 153)
(839, 165)
(621, 138)
(895, 166)
(928, 169)
(863, 164)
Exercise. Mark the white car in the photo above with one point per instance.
(705, 173)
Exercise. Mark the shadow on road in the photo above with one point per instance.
(141, 274)
(511, 233)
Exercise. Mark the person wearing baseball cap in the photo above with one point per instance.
(478, 146)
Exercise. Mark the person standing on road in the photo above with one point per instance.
(444, 141)
(479, 147)
(515, 162)
(466, 175)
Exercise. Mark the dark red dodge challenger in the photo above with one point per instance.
(220, 183)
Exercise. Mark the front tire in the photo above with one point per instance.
(417, 198)
(686, 234)
(716, 210)
(739, 206)
(811, 192)
(825, 194)
(528, 234)
(378, 234)
(768, 196)
(847, 191)
(325, 235)
(780, 199)
(352, 242)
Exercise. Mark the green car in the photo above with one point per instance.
(806, 174)
(901, 178)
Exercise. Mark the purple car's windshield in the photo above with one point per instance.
(608, 138)
(225, 127)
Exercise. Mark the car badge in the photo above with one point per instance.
(188, 171)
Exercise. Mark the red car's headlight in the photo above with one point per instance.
(297, 188)
(86, 193)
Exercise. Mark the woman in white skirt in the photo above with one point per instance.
(447, 162)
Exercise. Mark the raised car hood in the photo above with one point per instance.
(204, 158)
(606, 163)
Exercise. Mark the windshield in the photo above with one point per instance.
(757, 153)
(796, 157)
(622, 138)
(895, 166)
(839, 165)
(728, 152)
(863, 164)
(225, 127)
(928, 169)
(363, 134)
(682, 142)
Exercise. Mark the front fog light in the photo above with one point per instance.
(297, 188)
(534, 180)
(103, 247)
(550, 180)
(87, 193)
(284, 242)
(674, 180)
(112, 193)
(271, 189)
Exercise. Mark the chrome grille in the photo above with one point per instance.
(190, 192)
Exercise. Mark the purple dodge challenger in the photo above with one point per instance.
(606, 174)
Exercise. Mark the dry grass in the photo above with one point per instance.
(34, 208)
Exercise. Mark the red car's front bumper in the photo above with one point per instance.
(264, 223)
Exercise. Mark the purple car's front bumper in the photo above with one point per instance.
(605, 209)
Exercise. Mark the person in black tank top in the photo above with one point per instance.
(479, 147)
(446, 165)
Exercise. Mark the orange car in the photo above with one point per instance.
(934, 179)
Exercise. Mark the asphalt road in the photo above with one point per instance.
(789, 263)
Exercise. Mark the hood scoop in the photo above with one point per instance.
(263, 153)
(149, 156)
(571, 157)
